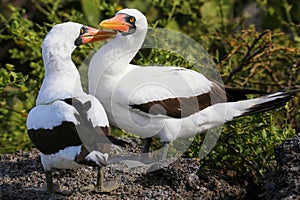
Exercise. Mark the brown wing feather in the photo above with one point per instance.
(50, 141)
(183, 106)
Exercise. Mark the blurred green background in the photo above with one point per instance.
(255, 44)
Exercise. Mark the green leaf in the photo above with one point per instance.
(91, 12)
(173, 25)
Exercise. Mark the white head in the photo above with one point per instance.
(62, 79)
(114, 56)
(127, 22)
(65, 37)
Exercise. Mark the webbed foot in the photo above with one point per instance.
(101, 186)
(54, 188)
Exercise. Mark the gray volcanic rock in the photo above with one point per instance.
(22, 177)
(284, 182)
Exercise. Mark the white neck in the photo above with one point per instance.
(113, 58)
(62, 79)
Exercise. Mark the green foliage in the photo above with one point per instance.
(257, 56)
(8, 77)
(247, 144)
(22, 31)
(22, 75)
(11, 110)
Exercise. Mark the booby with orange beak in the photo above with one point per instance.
(166, 102)
(69, 127)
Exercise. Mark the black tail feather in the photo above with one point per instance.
(280, 101)
(238, 94)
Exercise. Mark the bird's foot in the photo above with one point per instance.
(107, 187)
(55, 189)
(87, 189)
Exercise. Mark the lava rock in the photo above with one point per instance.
(284, 182)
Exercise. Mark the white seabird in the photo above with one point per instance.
(69, 127)
(166, 102)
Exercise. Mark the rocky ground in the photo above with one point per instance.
(284, 182)
(22, 177)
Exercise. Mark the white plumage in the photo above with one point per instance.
(63, 109)
(167, 102)
(49, 116)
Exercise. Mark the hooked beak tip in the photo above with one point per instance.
(103, 23)
(94, 35)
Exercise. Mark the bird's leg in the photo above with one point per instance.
(106, 186)
(147, 145)
(101, 186)
(100, 179)
(50, 186)
(146, 150)
(53, 188)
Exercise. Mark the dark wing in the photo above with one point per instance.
(50, 141)
(183, 106)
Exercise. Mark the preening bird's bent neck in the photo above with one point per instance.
(53, 90)
(62, 80)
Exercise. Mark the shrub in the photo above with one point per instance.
(249, 56)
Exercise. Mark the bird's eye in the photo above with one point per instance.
(131, 19)
(82, 30)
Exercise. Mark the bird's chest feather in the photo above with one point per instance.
(64, 159)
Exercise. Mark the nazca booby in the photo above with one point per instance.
(68, 126)
(166, 102)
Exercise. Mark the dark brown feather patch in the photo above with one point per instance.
(51, 141)
(183, 106)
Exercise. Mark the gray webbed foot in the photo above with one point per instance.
(101, 186)
(54, 188)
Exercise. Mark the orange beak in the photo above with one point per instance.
(93, 35)
(117, 23)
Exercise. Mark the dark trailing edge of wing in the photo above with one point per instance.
(182, 106)
(175, 107)
(238, 94)
(51, 141)
(281, 99)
